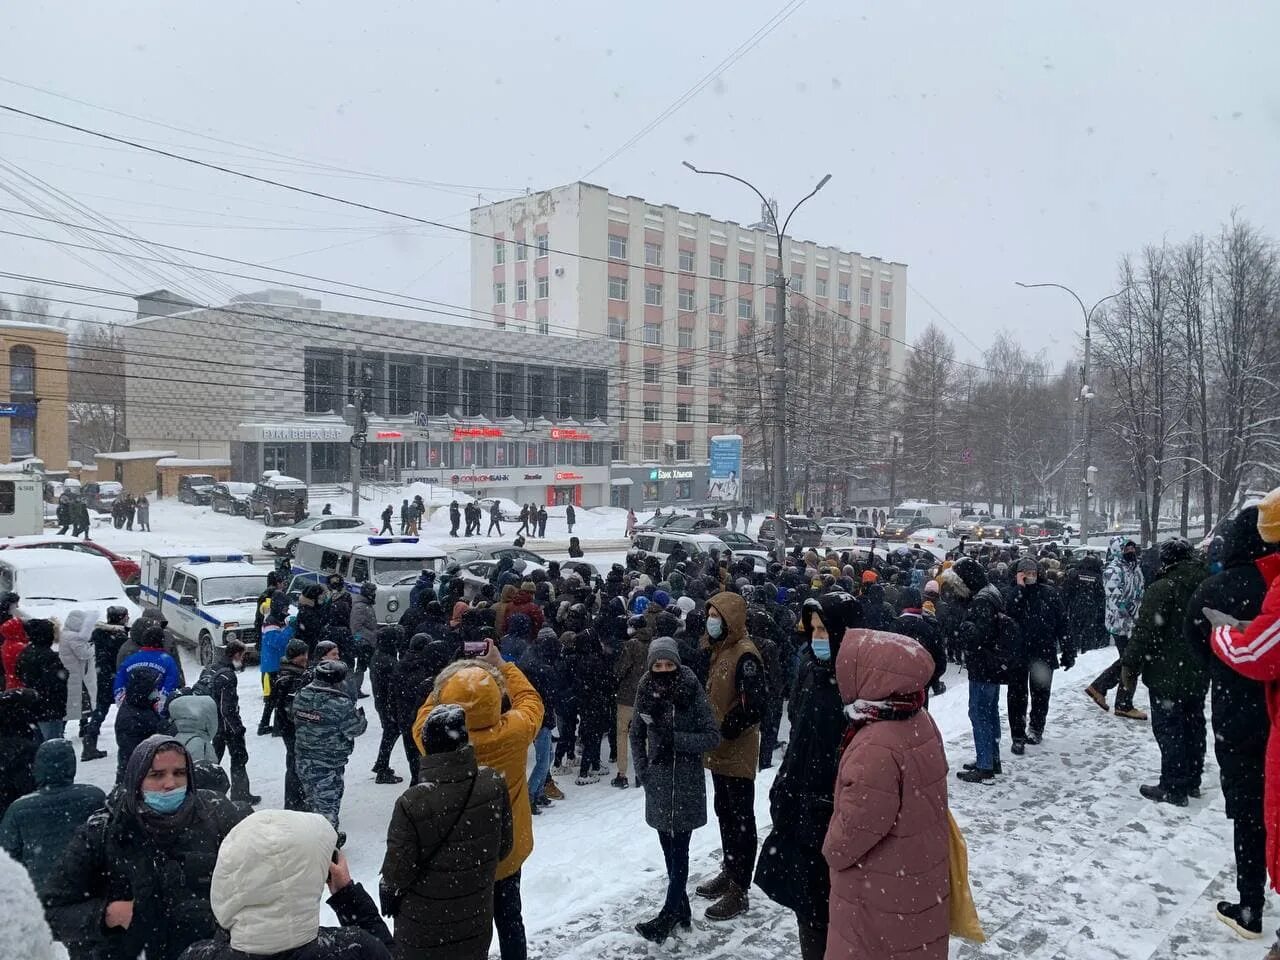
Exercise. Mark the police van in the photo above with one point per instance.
(207, 599)
(393, 563)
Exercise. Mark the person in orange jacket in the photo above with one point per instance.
(1253, 650)
(501, 740)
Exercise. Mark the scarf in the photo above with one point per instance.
(903, 706)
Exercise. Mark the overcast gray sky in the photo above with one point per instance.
(979, 143)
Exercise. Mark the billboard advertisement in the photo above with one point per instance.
(725, 477)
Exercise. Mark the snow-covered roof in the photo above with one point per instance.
(137, 455)
(180, 462)
(28, 325)
(280, 480)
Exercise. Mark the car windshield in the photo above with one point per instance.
(232, 589)
(201, 480)
(110, 488)
(307, 524)
(390, 571)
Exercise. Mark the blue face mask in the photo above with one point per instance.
(715, 627)
(821, 647)
(162, 801)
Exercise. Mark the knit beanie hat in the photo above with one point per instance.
(1027, 565)
(295, 648)
(663, 648)
(1269, 517)
(870, 576)
(445, 729)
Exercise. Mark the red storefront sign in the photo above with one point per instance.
(388, 435)
(566, 433)
(467, 433)
(568, 475)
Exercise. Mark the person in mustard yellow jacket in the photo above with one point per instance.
(501, 740)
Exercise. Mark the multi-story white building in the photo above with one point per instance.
(674, 289)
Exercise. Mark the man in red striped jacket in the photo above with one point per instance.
(1253, 650)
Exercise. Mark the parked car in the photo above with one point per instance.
(842, 534)
(509, 510)
(739, 543)
(206, 601)
(283, 540)
(196, 488)
(800, 531)
(100, 496)
(278, 497)
(232, 498)
(128, 570)
(497, 552)
(661, 543)
(967, 525)
(662, 522)
(693, 525)
(52, 583)
(994, 528)
(899, 527)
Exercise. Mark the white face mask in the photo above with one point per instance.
(715, 626)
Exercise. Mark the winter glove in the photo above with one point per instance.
(1068, 661)
(388, 900)
(735, 723)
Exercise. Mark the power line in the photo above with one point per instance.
(319, 194)
(733, 57)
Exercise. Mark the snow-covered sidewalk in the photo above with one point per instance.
(1067, 861)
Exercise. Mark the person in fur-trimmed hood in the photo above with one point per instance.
(501, 739)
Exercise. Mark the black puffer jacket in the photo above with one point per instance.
(164, 864)
(42, 670)
(1086, 604)
(417, 673)
(17, 745)
(980, 625)
(791, 869)
(446, 876)
(539, 666)
(1238, 706)
(1042, 623)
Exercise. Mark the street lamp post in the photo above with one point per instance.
(1086, 394)
(779, 350)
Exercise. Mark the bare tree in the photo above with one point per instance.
(1244, 299)
(926, 412)
(1140, 350)
(96, 389)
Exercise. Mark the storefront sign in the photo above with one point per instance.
(300, 433)
(388, 435)
(480, 478)
(568, 475)
(659, 474)
(470, 433)
(17, 409)
(565, 433)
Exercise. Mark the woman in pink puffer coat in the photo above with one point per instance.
(887, 845)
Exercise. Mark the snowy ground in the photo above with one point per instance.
(1067, 861)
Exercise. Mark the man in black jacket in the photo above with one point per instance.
(291, 678)
(1238, 712)
(455, 518)
(912, 622)
(107, 638)
(495, 519)
(984, 636)
(40, 669)
(1086, 605)
(222, 680)
(1042, 626)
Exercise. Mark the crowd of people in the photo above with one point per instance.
(655, 673)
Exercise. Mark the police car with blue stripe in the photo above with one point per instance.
(208, 599)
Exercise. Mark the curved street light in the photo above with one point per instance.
(779, 347)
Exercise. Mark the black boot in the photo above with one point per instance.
(997, 769)
(89, 749)
(658, 929)
(976, 776)
(1019, 747)
(734, 903)
(387, 775)
(714, 888)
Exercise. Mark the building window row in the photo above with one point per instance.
(542, 246)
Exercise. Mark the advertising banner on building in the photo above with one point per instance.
(725, 478)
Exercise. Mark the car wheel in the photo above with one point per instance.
(205, 649)
(267, 518)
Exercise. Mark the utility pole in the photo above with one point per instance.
(779, 351)
(356, 414)
(1088, 473)
(893, 475)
